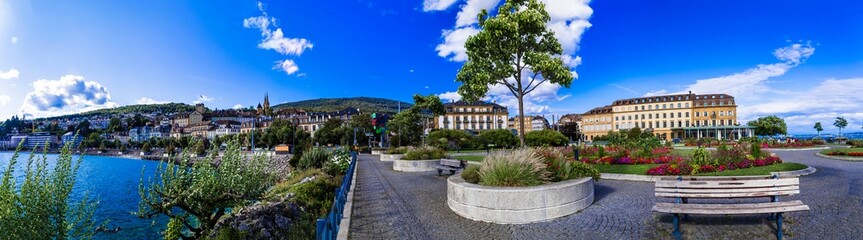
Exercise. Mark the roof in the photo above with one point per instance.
(599, 110)
(474, 103)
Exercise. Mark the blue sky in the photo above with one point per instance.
(801, 60)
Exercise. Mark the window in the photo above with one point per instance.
(642, 107)
(663, 106)
(649, 116)
(687, 123)
(697, 114)
(664, 124)
(678, 104)
(722, 114)
(679, 114)
(650, 107)
(615, 118)
(687, 104)
(672, 124)
(664, 116)
(687, 114)
(730, 113)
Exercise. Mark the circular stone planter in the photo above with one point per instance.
(415, 165)
(377, 152)
(391, 157)
(518, 205)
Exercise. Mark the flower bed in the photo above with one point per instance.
(725, 158)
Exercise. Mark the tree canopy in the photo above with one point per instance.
(515, 50)
(769, 126)
(840, 123)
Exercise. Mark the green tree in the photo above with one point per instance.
(545, 137)
(83, 128)
(501, 138)
(39, 208)
(452, 139)
(514, 49)
(769, 126)
(571, 131)
(146, 148)
(328, 134)
(363, 122)
(407, 127)
(840, 123)
(115, 125)
(818, 128)
(195, 195)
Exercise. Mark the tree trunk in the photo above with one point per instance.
(521, 118)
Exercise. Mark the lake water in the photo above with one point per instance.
(114, 183)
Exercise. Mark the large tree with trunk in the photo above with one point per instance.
(514, 49)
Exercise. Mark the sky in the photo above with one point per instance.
(800, 60)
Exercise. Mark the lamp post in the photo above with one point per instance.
(294, 131)
(254, 125)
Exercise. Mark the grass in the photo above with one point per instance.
(471, 158)
(639, 169)
(845, 150)
(469, 151)
(682, 152)
(765, 170)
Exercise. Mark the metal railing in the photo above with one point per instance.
(328, 227)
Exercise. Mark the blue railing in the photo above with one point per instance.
(328, 227)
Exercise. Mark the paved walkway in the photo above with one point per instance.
(395, 205)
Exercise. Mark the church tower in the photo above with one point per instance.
(267, 110)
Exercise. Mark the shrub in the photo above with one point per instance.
(755, 151)
(338, 163)
(700, 157)
(501, 138)
(398, 150)
(546, 137)
(562, 170)
(450, 139)
(471, 173)
(424, 153)
(522, 167)
(314, 158)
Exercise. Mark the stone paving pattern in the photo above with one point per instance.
(396, 205)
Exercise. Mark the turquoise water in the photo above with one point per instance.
(114, 183)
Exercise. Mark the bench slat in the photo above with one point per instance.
(728, 209)
(727, 190)
(728, 184)
(728, 195)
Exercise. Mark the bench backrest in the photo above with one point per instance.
(451, 162)
(725, 187)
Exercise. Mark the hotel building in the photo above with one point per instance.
(473, 116)
(669, 117)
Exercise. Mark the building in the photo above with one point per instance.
(311, 122)
(473, 116)
(39, 140)
(71, 139)
(677, 116)
(532, 123)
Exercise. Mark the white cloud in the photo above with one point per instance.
(12, 73)
(454, 43)
(411, 70)
(535, 102)
(4, 100)
(146, 100)
(449, 97)
(203, 99)
(426, 87)
(238, 106)
(274, 39)
(287, 66)
(437, 5)
(830, 99)
(301, 74)
(69, 94)
(751, 83)
(14, 40)
(469, 11)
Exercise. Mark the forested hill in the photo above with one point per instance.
(365, 104)
(143, 108)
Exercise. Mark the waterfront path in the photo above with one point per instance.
(396, 205)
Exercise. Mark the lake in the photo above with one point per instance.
(114, 183)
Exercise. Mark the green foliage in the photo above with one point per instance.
(39, 207)
(818, 128)
(398, 150)
(562, 170)
(501, 138)
(544, 138)
(146, 148)
(199, 193)
(451, 139)
(330, 133)
(700, 157)
(281, 189)
(313, 158)
(338, 163)
(366, 104)
(424, 153)
(282, 131)
(840, 123)
(755, 151)
(407, 127)
(471, 173)
(514, 44)
(769, 126)
(200, 148)
(522, 167)
(129, 109)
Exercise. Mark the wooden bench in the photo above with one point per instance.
(451, 165)
(684, 188)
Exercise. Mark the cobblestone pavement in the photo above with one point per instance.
(396, 205)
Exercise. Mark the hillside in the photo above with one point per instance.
(142, 108)
(365, 104)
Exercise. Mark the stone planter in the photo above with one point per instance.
(415, 165)
(391, 157)
(518, 205)
(378, 152)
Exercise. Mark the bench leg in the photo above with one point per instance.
(439, 172)
(451, 172)
(677, 234)
(779, 226)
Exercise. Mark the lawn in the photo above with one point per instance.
(639, 169)
(471, 158)
(682, 152)
(845, 150)
(765, 170)
(469, 151)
